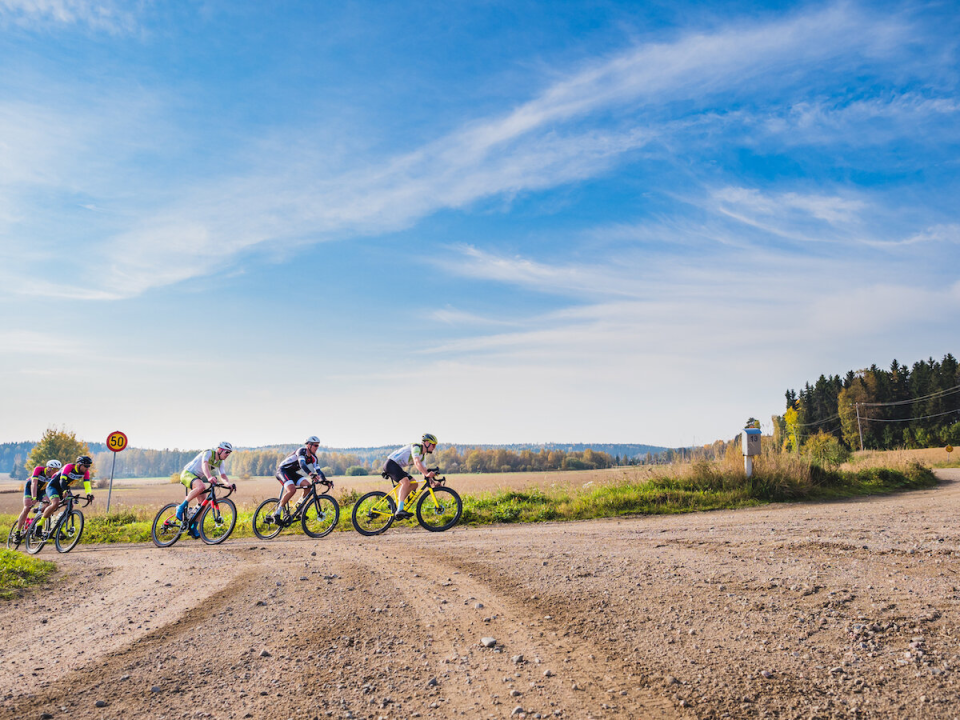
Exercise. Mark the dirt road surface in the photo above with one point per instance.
(846, 609)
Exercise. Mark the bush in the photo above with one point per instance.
(825, 450)
(355, 470)
(175, 477)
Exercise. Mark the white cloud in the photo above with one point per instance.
(112, 17)
(540, 144)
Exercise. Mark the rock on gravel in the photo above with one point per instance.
(488, 641)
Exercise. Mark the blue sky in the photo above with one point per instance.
(494, 221)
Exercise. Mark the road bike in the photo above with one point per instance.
(214, 519)
(318, 514)
(438, 507)
(65, 527)
(12, 542)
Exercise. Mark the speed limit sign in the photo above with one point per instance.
(116, 441)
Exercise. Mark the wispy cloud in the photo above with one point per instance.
(540, 144)
(105, 15)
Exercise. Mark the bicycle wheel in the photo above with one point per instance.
(68, 531)
(11, 537)
(263, 528)
(217, 523)
(373, 513)
(34, 539)
(321, 516)
(439, 511)
(166, 529)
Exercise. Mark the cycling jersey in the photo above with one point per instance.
(299, 464)
(40, 473)
(405, 455)
(195, 466)
(66, 477)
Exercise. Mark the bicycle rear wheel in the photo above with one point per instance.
(217, 523)
(11, 536)
(321, 516)
(166, 529)
(68, 531)
(440, 510)
(261, 527)
(373, 513)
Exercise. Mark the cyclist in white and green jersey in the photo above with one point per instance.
(397, 463)
(201, 471)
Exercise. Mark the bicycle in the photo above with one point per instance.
(65, 527)
(214, 519)
(438, 507)
(318, 514)
(12, 542)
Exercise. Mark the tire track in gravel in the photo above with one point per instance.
(532, 666)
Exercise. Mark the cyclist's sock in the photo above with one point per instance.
(400, 507)
(181, 509)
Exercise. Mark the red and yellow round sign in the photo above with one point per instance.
(116, 441)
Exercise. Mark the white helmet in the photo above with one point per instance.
(225, 446)
(312, 439)
(54, 464)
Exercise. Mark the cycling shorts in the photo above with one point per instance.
(297, 480)
(54, 491)
(396, 473)
(28, 490)
(187, 478)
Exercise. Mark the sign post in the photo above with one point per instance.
(116, 441)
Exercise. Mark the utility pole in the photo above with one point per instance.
(859, 429)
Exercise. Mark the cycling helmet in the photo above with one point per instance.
(428, 438)
(312, 439)
(225, 446)
(54, 464)
(84, 460)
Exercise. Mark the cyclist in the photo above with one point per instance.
(297, 470)
(399, 460)
(200, 472)
(61, 482)
(32, 489)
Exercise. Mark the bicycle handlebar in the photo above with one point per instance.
(232, 488)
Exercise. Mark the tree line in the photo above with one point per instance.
(141, 462)
(903, 407)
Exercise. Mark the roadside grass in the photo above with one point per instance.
(705, 486)
(19, 571)
(692, 487)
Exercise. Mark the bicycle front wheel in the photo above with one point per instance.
(166, 529)
(262, 527)
(439, 510)
(218, 522)
(373, 513)
(35, 540)
(68, 531)
(321, 516)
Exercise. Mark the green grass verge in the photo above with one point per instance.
(708, 486)
(19, 571)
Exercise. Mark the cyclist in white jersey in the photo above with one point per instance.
(396, 468)
(201, 471)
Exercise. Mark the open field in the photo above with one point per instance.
(156, 492)
(808, 610)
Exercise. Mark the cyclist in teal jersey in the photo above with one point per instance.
(34, 490)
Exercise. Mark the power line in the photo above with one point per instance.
(925, 417)
(912, 400)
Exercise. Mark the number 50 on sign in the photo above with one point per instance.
(116, 441)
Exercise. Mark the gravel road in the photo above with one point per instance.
(845, 609)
